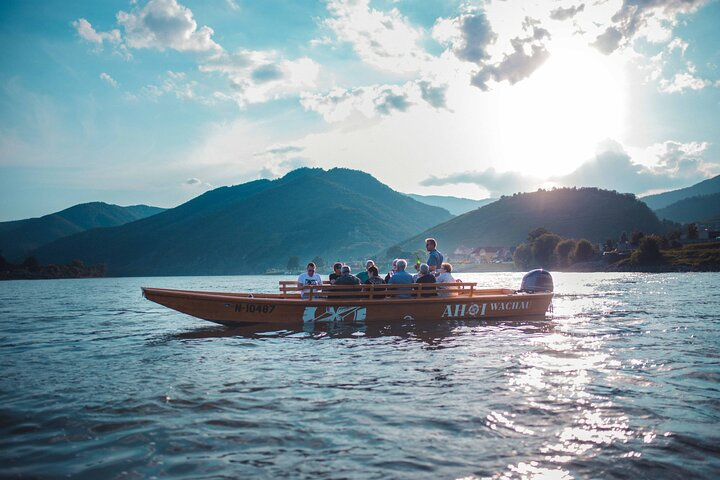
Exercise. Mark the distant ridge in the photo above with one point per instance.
(338, 214)
(662, 200)
(19, 237)
(590, 213)
(454, 205)
(704, 208)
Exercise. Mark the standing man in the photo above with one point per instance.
(435, 259)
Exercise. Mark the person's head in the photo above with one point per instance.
(401, 264)
(394, 264)
(430, 244)
(373, 271)
(369, 263)
(447, 267)
(345, 270)
(337, 266)
(311, 268)
(424, 269)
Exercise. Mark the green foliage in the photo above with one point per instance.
(522, 256)
(589, 213)
(635, 238)
(648, 251)
(31, 263)
(564, 250)
(692, 231)
(535, 234)
(293, 264)
(584, 251)
(543, 250)
(319, 262)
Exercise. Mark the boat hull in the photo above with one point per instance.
(243, 309)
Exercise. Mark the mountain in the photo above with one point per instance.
(454, 205)
(588, 213)
(704, 208)
(249, 228)
(662, 200)
(19, 237)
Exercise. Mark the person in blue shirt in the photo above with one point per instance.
(435, 258)
(401, 276)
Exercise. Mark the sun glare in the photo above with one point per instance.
(552, 122)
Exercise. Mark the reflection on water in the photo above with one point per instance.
(430, 332)
(621, 382)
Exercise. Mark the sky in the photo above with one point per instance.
(157, 101)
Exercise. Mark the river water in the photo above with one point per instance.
(623, 381)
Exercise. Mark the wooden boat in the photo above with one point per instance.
(355, 304)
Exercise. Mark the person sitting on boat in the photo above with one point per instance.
(363, 276)
(374, 277)
(337, 266)
(392, 271)
(347, 278)
(309, 277)
(445, 277)
(401, 276)
(424, 276)
(435, 258)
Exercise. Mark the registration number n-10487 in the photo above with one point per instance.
(252, 308)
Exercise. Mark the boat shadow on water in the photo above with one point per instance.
(431, 332)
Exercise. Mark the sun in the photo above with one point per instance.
(553, 121)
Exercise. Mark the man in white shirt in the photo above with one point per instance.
(309, 277)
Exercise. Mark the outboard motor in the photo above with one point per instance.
(537, 281)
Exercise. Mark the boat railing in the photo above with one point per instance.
(373, 291)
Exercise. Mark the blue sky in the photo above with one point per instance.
(157, 101)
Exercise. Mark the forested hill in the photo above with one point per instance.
(574, 213)
(662, 200)
(704, 208)
(249, 228)
(18, 238)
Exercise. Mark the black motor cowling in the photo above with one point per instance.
(537, 281)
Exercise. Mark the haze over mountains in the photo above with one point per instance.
(662, 200)
(454, 205)
(338, 214)
(18, 238)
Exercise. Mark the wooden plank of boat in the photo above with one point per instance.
(354, 304)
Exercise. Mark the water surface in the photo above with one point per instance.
(622, 382)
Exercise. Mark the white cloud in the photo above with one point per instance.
(681, 82)
(86, 31)
(107, 78)
(496, 183)
(561, 13)
(384, 40)
(233, 5)
(373, 100)
(89, 34)
(660, 166)
(653, 20)
(259, 76)
(666, 165)
(193, 181)
(162, 24)
(498, 57)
